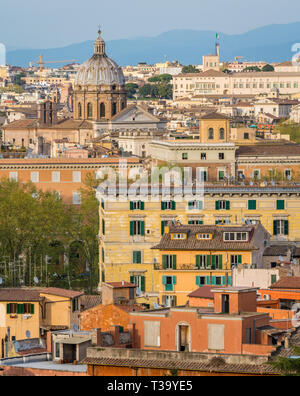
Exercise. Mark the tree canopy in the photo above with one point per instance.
(190, 69)
(38, 227)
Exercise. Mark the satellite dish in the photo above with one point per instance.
(295, 261)
(1, 281)
(17, 346)
(36, 280)
(28, 335)
(75, 327)
(156, 306)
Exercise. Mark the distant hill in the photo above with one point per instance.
(271, 43)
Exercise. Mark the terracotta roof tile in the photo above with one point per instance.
(182, 365)
(216, 243)
(19, 295)
(289, 282)
(61, 292)
(204, 292)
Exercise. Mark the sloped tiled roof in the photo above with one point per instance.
(19, 295)
(289, 282)
(278, 250)
(204, 292)
(268, 150)
(183, 365)
(61, 292)
(216, 243)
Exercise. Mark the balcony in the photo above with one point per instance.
(184, 267)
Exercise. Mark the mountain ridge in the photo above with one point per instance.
(272, 43)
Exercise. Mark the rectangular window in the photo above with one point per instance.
(76, 198)
(76, 177)
(169, 261)
(200, 281)
(169, 282)
(221, 175)
(221, 156)
(137, 257)
(222, 205)
(168, 205)
(137, 205)
(281, 227)
(185, 156)
(55, 177)
(137, 228)
(195, 222)
(203, 156)
(235, 259)
(280, 205)
(252, 205)
(35, 177)
(195, 205)
(13, 176)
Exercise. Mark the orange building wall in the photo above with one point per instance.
(103, 317)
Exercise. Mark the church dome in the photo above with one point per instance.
(99, 69)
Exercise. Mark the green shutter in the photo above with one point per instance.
(273, 279)
(208, 280)
(224, 280)
(252, 205)
(198, 280)
(286, 227)
(190, 205)
(139, 257)
(280, 205)
(200, 205)
(208, 261)
(132, 280)
(164, 260)
(174, 280)
(275, 227)
(131, 228)
(213, 282)
(163, 205)
(240, 259)
(174, 262)
(32, 309)
(220, 261)
(227, 205)
(229, 280)
(20, 309)
(103, 227)
(164, 280)
(143, 282)
(142, 205)
(131, 205)
(8, 310)
(142, 228)
(217, 205)
(163, 224)
(213, 262)
(173, 205)
(103, 256)
(198, 261)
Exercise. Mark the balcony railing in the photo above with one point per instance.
(186, 267)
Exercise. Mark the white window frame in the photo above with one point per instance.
(55, 177)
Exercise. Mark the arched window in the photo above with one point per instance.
(90, 110)
(211, 133)
(114, 109)
(222, 134)
(123, 106)
(102, 110)
(79, 110)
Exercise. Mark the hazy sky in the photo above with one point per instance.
(46, 24)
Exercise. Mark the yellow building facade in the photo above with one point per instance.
(129, 230)
(192, 256)
(19, 317)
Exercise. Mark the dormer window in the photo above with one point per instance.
(204, 236)
(236, 236)
(178, 236)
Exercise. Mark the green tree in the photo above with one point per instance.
(189, 69)
(132, 89)
(252, 69)
(288, 367)
(268, 68)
